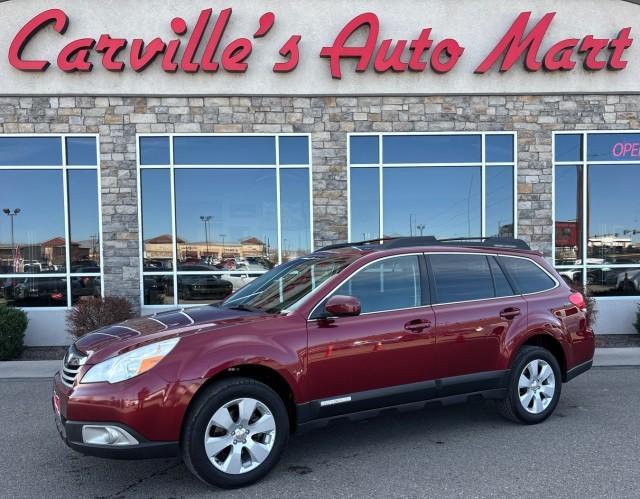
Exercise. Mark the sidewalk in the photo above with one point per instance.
(605, 357)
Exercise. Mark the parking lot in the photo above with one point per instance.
(589, 448)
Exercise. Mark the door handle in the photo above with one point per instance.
(510, 313)
(417, 325)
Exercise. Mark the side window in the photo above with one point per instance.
(527, 275)
(502, 286)
(391, 284)
(461, 277)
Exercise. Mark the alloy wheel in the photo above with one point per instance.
(536, 386)
(240, 435)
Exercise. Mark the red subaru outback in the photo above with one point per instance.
(346, 331)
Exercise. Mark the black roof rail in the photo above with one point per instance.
(406, 242)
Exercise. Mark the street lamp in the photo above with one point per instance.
(206, 219)
(222, 252)
(12, 215)
(420, 227)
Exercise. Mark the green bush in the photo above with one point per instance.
(94, 313)
(13, 324)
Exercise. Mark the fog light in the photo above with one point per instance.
(106, 435)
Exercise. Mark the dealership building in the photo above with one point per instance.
(171, 151)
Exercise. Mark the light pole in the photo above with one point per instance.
(420, 227)
(222, 252)
(206, 219)
(12, 215)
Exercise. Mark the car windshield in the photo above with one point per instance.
(287, 284)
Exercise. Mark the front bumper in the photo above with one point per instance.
(71, 434)
(147, 407)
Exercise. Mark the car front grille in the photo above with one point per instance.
(71, 364)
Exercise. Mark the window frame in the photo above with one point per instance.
(172, 167)
(483, 165)
(584, 163)
(64, 168)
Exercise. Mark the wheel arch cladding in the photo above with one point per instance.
(551, 344)
(262, 374)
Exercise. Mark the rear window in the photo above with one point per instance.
(461, 277)
(527, 275)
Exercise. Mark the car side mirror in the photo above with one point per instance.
(342, 306)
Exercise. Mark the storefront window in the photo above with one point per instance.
(50, 248)
(241, 204)
(431, 184)
(597, 207)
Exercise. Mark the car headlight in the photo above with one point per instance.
(129, 364)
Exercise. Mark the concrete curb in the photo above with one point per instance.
(605, 357)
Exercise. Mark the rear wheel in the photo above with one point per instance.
(534, 387)
(235, 433)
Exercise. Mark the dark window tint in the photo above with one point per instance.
(81, 151)
(432, 149)
(294, 150)
(527, 275)
(568, 147)
(154, 151)
(499, 148)
(364, 150)
(30, 151)
(220, 150)
(390, 284)
(461, 277)
(502, 286)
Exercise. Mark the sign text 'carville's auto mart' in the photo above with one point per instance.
(180, 50)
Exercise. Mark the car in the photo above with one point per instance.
(349, 331)
(628, 281)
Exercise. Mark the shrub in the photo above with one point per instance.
(13, 324)
(95, 313)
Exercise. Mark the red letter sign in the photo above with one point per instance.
(60, 22)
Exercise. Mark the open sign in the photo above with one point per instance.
(626, 149)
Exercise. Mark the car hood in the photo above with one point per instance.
(119, 338)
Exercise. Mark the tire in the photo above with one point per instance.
(533, 402)
(240, 454)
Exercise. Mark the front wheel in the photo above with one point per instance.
(235, 433)
(534, 387)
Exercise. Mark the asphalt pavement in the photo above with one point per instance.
(589, 448)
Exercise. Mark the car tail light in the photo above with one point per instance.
(578, 300)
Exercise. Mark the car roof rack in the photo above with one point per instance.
(406, 242)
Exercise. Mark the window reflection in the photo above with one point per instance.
(32, 234)
(293, 150)
(613, 147)
(83, 221)
(155, 193)
(30, 151)
(613, 214)
(364, 150)
(568, 214)
(84, 287)
(613, 281)
(34, 292)
(400, 149)
(81, 151)
(568, 147)
(154, 151)
(158, 289)
(442, 201)
(365, 204)
(226, 219)
(223, 150)
(499, 201)
(294, 213)
(499, 148)
(195, 289)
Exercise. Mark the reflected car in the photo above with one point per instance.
(45, 291)
(155, 290)
(203, 287)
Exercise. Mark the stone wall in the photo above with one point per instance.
(328, 119)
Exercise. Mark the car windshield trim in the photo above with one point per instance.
(284, 286)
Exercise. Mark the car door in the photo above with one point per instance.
(354, 360)
(475, 307)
